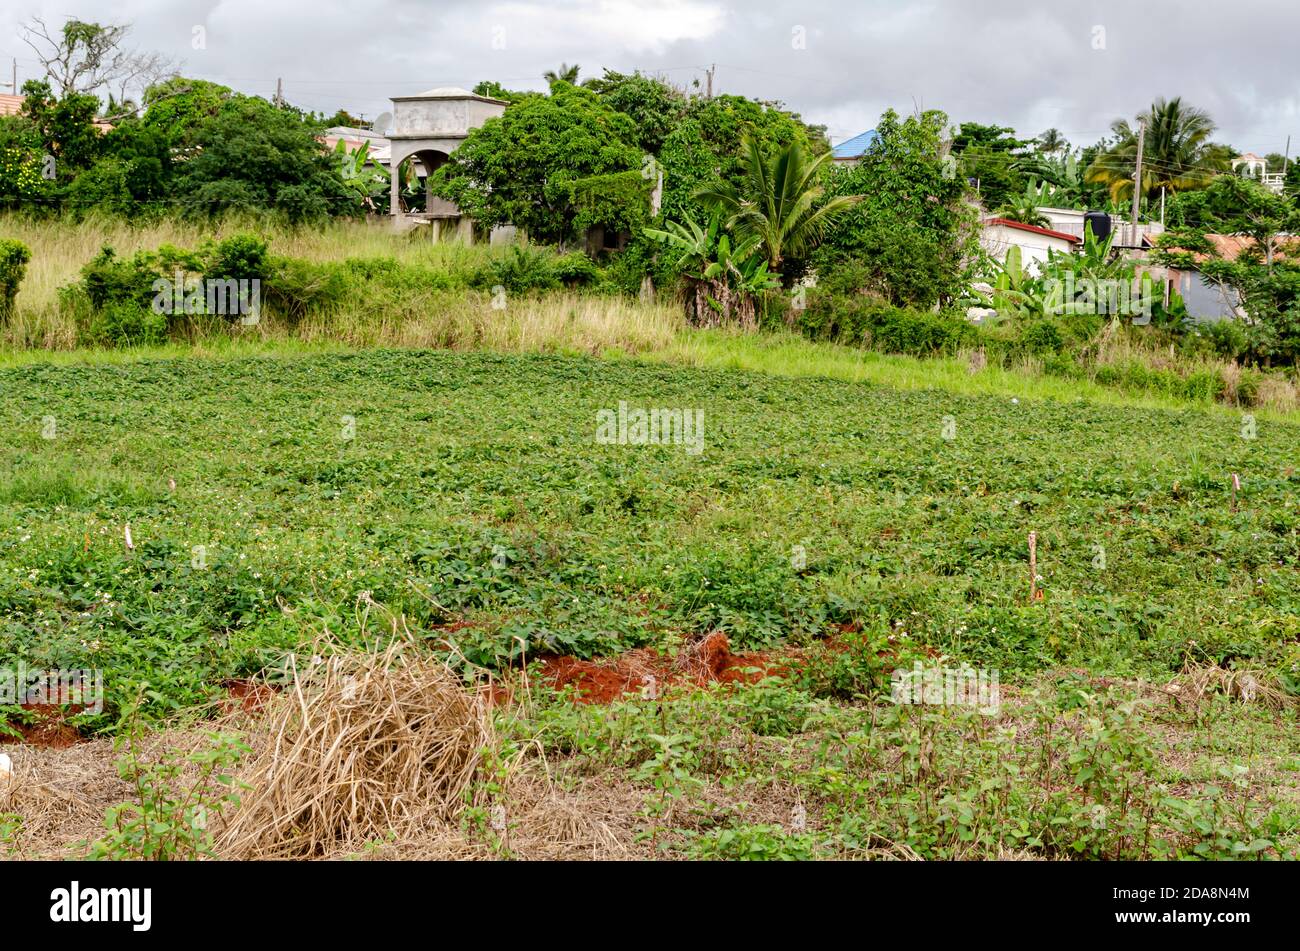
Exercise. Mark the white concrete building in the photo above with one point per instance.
(1000, 234)
(428, 128)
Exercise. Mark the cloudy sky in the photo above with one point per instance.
(1031, 65)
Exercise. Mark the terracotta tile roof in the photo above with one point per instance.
(1232, 246)
(1021, 226)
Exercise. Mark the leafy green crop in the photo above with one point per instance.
(467, 492)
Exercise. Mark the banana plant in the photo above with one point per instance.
(1017, 292)
(369, 181)
(725, 279)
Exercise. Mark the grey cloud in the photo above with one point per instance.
(1027, 65)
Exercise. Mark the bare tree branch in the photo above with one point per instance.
(88, 57)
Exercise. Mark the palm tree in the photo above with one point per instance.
(1051, 142)
(1024, 209)
(1177, 153)
(777, 201)
(565, 73)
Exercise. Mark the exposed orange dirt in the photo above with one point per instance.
(250, 695)
(647, 672)
(50, 729)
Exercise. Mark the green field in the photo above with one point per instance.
(457, 458)
(464, 497)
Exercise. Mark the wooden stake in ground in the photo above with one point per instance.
(1034, 593)
(1236, 487)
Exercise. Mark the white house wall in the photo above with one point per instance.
(998, 239)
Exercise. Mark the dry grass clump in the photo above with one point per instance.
(1199, 681)
(465, 320)
(1277, 393)
(357, 748)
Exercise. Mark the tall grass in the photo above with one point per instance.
(60, 249)
(792, 355)
(569, 322)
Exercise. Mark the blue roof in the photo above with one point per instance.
(855, 146)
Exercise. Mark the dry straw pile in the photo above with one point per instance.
(358, 747)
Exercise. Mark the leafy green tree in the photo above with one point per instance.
(653, 105)
(706, 144)
(66, 127)
(551, 165)
(778, 202)
(911, 234)
(1232, 205)
(1177, 153)
(253, 156)
(179, 107)
(131, 174)
(1266, 280)
(344, 118)
(494, 90)
(992, 156)
(22, 165)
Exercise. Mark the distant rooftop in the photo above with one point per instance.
(448, 92)
(854, 147)
(352, 132)
(445, 92)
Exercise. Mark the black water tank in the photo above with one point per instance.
(1100, 222)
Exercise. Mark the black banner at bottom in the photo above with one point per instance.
(336, 900)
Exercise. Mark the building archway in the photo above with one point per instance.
(426, 129)
(426, 162)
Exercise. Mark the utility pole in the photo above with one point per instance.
(708, 87)
(279, 95)
(1162, 206)
(1137, 177)
(1286, 159)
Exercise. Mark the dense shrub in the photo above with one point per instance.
(1042, 337)
(1224, 338)
(1199, 385)
(521, 269)
(109, 279)
(575, 269)
(855, 318)
(239, 257)
(126, 323)
(294, 287)
(919, 333)
(14, 256)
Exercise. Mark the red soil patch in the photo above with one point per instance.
(51, 728)
(646, 672)
(249, 695)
